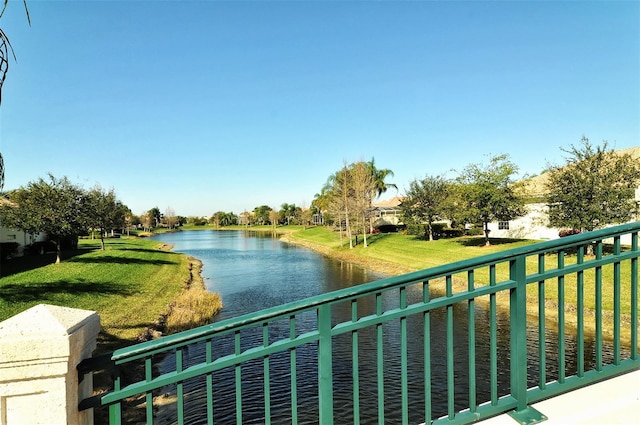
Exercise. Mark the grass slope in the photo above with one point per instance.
(129, 284)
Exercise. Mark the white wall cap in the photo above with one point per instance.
(47, 319)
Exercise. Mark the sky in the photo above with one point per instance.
(206, 106)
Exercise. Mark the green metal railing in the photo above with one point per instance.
(531, 289)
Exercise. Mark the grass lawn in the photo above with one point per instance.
(129, 284)
(409, 253)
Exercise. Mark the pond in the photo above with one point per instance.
(252, 271)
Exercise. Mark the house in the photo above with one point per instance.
(387, 213)
(535, 225)
(22, 239)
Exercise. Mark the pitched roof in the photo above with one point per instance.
(536, 185)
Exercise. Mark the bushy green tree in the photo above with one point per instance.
(104, 211)
(594, 188)
(54, 206)
(155, 216)
(424, 202)
(289, 214)
(262, 214)
(490, 193)
(222, 218)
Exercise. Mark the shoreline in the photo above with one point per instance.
(551, 307)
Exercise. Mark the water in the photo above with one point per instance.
(253, 271)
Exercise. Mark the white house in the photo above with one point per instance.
(21, 238)
(535, 224)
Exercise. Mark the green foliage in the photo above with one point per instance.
(222, 218)
(196, 221)
(261, 214)
(289, 214)
(105, 212)
(489, 193)
(424, 203)
(56, 207)
(595, 187)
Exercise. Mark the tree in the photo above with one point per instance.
(490, 193)
(146, 220)
(364, 189)
(155, 217)
(56, 207)
(273, 217)
(594, 188)
(341, 200)
(104, 211)
(229, 219)
(379, 177)
(289, 214)
(262, 214)
(424, 202)
(170, 217)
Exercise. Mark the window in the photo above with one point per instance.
(503, 225)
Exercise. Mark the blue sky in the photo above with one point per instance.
(204, 106)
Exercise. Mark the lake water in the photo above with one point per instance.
(253, 271)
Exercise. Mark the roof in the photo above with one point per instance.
(536, 185)
(389, 203)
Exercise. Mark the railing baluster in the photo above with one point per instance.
(518, 331)
(294, 372)
(598, 277)
(426, 341)
(355, 368)
(493, 337)
(148, 376)
(404, 378)
(616, 302)
(266, 375)
(180, 388)
(471, 318)
(238, 378)
(208, 360)
(542, 331)
(325, 364)
(115, 409)
(450, 358)
(634, 297)
(380, 359)
(561, 324)
(580, 312)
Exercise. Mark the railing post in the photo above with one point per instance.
(518, 339)
(39, 351)
(325, 366)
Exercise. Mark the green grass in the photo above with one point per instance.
(413, 253)
(129, 284)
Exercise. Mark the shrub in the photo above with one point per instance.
(8, 249)
(452, 233)
(475, 231)
(568, 232)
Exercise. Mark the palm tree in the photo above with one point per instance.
(379, 176)
(5, 49)
(1, 173)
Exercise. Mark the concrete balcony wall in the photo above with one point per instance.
(39, 351)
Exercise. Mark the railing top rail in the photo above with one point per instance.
(372, 287)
